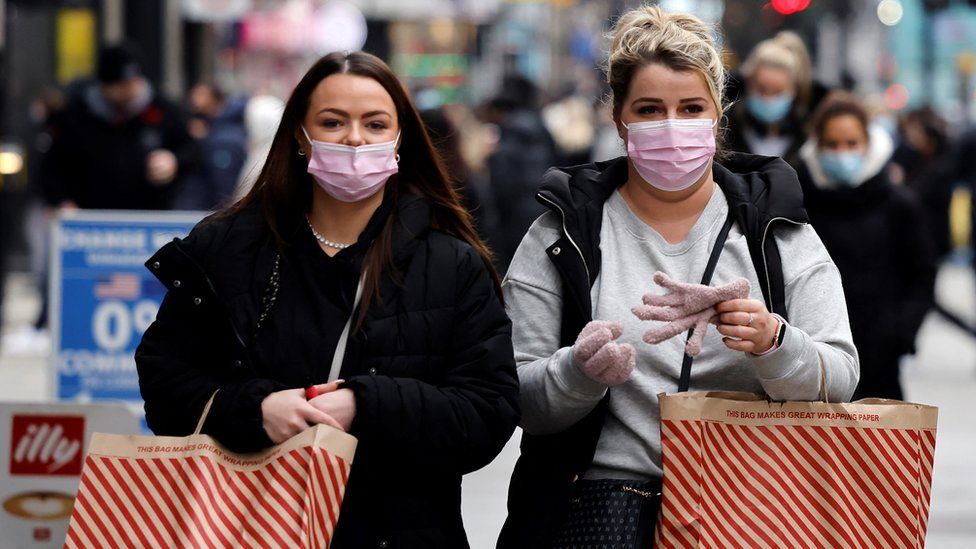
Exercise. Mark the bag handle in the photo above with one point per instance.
(206, 411)
(823, 383)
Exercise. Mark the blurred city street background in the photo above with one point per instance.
(493, 79)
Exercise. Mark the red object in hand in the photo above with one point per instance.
(311, 392)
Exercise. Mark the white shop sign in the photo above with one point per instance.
(42, 451)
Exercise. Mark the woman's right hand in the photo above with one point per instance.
(598, 355)
(287, 413)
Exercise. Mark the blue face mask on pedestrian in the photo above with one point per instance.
(769, 110)
(842, 167)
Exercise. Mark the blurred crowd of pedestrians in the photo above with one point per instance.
(877, 184)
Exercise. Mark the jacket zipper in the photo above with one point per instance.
(570, 238)
(769, 285)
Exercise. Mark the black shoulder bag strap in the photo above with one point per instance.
(685, 380)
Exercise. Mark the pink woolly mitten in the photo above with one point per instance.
(686, 306)
(601, 358)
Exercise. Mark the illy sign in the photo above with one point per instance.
(42, 453)
(47, 445)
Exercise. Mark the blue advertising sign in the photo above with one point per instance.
(103, 298)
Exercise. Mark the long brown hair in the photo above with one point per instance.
(284, 187)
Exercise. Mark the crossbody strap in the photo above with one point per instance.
(340, 350)
(685, 380)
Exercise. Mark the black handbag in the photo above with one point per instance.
(610, 514)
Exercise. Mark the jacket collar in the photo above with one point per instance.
(866, 195)
(767, 186)
(577, 195)
(881, 147)
(412, 222)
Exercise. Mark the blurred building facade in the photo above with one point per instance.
(454, 52)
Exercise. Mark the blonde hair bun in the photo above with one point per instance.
(785, 51)
(679, 41)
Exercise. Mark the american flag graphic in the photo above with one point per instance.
(119, 286)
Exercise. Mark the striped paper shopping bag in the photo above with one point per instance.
(143, 491)
(741, 471)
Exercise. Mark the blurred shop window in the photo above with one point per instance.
(298, 26)
(215, 10)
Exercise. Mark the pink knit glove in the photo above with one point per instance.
(684, 307)
(601, 358)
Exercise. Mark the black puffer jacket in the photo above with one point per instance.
(432, 369)
(878, 235)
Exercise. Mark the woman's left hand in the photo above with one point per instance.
(338, 403)
(749, 322)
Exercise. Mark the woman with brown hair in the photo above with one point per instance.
(877, 233)
(350, 259)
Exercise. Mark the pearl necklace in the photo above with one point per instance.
(324, 240)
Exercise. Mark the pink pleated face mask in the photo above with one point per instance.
(672, 154)
(351, 174)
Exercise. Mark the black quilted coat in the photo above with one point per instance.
(432, 369)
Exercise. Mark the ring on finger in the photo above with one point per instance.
(751, 318)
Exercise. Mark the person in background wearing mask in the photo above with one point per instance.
(118, 144)
(877, 234)
(590, 469)
(767, 119)
(218, 126)
(350, 259)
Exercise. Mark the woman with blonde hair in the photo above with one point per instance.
(779, 92)
(590, 470)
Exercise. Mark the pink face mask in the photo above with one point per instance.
(351, 174)
(672, 154)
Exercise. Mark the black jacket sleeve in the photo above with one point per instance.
(187, 354)
(463, 422)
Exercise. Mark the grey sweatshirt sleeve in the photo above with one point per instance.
(818, 339)
(554, 393)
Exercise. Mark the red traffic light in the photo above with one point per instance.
(789, 7)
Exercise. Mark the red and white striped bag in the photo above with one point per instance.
(149, 491)
(741, 471)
